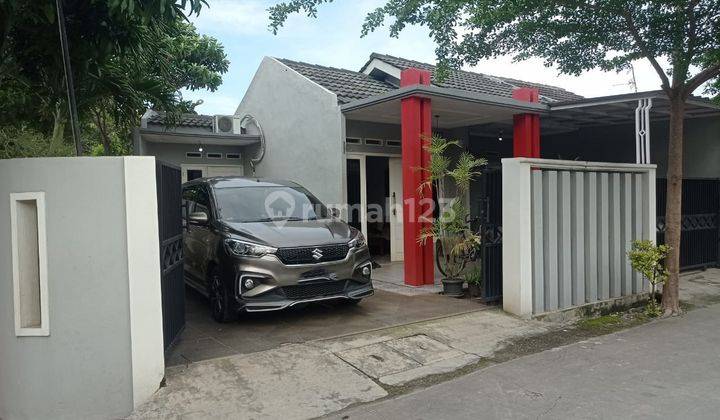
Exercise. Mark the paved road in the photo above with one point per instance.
(666, 369)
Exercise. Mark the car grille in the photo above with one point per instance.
(307, 255)
(304, 291)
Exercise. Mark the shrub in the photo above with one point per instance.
(24, 142)
(647, 259)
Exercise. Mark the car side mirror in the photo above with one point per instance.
(198, 218)
(335, 212)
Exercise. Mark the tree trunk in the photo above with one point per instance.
(673, 209)
(103, 132)
(58, 125)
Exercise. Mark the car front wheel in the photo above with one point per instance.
(220, 301)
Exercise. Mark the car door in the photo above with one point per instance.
(202, 236)
(191, 247)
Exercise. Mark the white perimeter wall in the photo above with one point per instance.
(104, 352)
(567, 228)
(303, 130)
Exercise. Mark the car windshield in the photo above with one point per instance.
(266, 204)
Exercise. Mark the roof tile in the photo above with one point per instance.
(481, 83)
(348, 85)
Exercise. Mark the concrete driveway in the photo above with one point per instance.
(205, 339)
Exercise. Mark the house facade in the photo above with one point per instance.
(351, 137)
(201, 145)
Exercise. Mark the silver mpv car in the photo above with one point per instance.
(262, 245)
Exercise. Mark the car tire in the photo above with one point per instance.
(221, 307)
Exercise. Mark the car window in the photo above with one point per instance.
(202, 201)
(267, 203)
(188, 196)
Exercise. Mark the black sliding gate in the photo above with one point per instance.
(700, 234)
(169, 198)
(490, 220)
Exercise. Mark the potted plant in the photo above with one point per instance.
(474, 280)
(450, 229)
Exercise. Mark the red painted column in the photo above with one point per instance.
(526, 127)
(416, 130)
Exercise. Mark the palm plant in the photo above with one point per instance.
(450, 229)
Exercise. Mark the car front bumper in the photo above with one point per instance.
(279, 286)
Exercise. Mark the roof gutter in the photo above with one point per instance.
(628, 97)
(431, 91)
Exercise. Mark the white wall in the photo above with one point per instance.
(104, 353)
(567, 228)
(303, 130)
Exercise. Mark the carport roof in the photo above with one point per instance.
(620, 109)
(457, 108)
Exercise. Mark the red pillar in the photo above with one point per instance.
(526, 127)
(416, 130)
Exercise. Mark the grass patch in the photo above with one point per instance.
(601, 321)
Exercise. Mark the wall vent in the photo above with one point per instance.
(393, 143)
(214, 155)
(193, 155)
(373, 142)
(232, 155)
(353, 140)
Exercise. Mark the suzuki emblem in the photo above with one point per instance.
(317, 254)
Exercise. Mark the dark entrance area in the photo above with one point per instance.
(378, 194)
(353, 193)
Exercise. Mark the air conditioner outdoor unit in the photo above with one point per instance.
(226, 124)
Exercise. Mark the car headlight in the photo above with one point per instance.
(247, 249)
(358, 241)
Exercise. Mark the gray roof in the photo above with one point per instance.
(351, 85)
(348, 85)
(478, 82)
(185, 120)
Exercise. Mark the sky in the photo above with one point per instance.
(333, 39)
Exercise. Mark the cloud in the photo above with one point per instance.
(213, 102)
(240, 18)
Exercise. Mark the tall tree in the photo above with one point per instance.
(126, 55)
(575, 36)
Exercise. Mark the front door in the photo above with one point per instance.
(396, 209)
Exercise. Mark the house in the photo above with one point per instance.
(202, 145)
(351, 136)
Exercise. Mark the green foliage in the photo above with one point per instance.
(647, 259)
(451, 228)
(25, 142)
(574, 35)
(126, 55)
(473, 275)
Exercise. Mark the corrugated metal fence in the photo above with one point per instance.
(582, 225)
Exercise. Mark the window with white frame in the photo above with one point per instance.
(29, 263)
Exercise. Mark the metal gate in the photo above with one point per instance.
(490, 217)
(700, 233)
(169, 198)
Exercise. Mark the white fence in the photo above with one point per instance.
(567, 227)
(80, 305)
